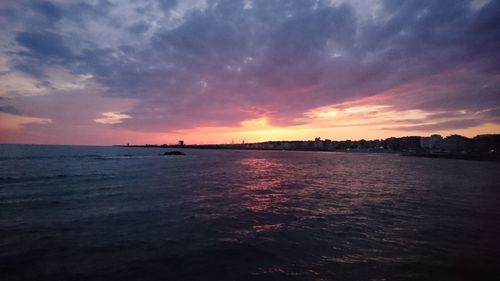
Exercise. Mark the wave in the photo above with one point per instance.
(87, 156)
(48, 177)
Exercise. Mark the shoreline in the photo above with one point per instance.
(423, 154)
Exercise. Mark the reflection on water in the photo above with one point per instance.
(258, 171)
(245, 215)
(264, 179)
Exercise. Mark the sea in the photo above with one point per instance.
(123, 213)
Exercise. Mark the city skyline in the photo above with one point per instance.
(115, 72)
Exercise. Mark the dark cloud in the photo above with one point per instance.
(139, 27)
(49, 10)
(46, 46)
(225, 62)
(166, 5)
(8, 109)
(4, 107)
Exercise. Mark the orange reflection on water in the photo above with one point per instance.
(262, 173)
(267, 227)
(264, 178)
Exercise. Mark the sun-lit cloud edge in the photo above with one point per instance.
(372, 117)
(16, 122)
(112, 118)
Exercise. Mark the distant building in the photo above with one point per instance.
(361, 144)
(392, 143)
(487, 144)
(318, 144)
(409, 143)
(455, 144)
(431, 142)
(434, 141)
(377, 144)
(327, 144)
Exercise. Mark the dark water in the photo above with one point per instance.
(102, 213)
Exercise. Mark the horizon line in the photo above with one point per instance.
(239, 143)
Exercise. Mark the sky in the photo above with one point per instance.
(218, 71)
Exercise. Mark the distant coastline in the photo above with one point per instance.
(480, 147)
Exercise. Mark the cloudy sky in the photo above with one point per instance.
(113, 71)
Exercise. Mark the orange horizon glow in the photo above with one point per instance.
(377, 116)
(253, 131)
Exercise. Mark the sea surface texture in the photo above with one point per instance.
(110, 213)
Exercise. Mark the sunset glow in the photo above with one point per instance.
(246, 71)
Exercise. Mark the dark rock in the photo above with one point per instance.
(176, 152)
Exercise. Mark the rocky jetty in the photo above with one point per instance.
(172, 153)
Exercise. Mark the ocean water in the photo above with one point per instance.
(109, 213)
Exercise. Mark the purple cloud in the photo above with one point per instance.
(218, 63)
